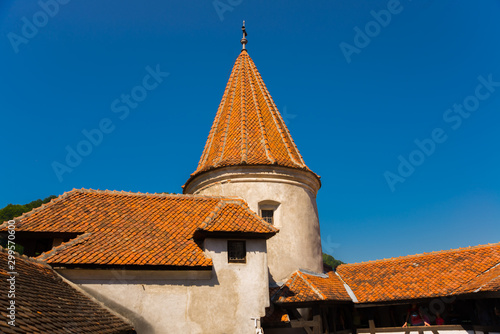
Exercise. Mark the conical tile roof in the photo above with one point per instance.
(248, 128)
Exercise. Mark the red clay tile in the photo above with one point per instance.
(248, 128)
(138, 229)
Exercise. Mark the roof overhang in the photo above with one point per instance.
(202, 234)
(133, 276)
(247, 173)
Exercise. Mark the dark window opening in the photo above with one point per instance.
(35, 243)
(267, 215)
(236, 251)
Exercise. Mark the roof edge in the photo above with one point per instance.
(347, 289)
(196, 175)
(112, 192)
(463, 249)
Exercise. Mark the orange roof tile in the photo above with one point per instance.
(121, 228)
(443, 273)
(248, 128)
(45, 303)
(307, 287)
(228, 218)
(487, 281)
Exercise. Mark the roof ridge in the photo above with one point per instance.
(228, 117)
(39, 208)
(422, 254)
(112, 192)
(212, 215)
(244, 128)
(312, 286)
(241, 203)
(64, 245)
(265, 143)
(25, 257)
(480, 274)
(347, 288)
(244, 204)
(147, 194)
(272, 108)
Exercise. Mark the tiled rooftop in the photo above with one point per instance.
(45, 303)
(248, 128)
(307, 287)
(488, 281)
(120, 228)
(422, 276)
(230, 218)
(445, 273)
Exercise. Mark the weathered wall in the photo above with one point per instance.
(225, 303)
(298, 244)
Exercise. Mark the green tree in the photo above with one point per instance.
(15, 210)
(331, 261)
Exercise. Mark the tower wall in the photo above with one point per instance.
(293, 191)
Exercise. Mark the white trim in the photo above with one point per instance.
(235, 174)
(348, 289)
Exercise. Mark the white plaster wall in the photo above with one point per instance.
(223, 304)
(298, 244)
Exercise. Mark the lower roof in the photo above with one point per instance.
(437, 274)
(45, 303)
(305, 286)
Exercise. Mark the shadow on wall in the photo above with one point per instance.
(140, 324)
(272, 282)
(122, 276)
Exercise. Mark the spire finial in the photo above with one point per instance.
(244, 40)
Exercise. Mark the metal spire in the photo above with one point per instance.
(244, 40)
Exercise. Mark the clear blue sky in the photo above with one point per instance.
(350, 120)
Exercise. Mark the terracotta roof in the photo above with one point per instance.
(488, 281)
(230, 218)
(306, 287)
(443, 273)
(248, 128)
(121, 228)
(45, 303)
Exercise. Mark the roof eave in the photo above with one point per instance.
(197, 174)
(202, 234)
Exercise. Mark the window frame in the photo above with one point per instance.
(236, 260)
(268, 209)
(269, 205)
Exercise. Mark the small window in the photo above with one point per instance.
(267, 215)
(268, 210)
(236, 251)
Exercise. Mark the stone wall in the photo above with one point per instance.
(298, 244)
(224, 301)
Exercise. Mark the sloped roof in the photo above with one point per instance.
(45, 303)
(307, 287)
(445, 273)
(248, 128)
(487, 281)
(121, 228)
(229, 217)
(427, 275)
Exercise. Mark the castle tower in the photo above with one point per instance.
(250, 154)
